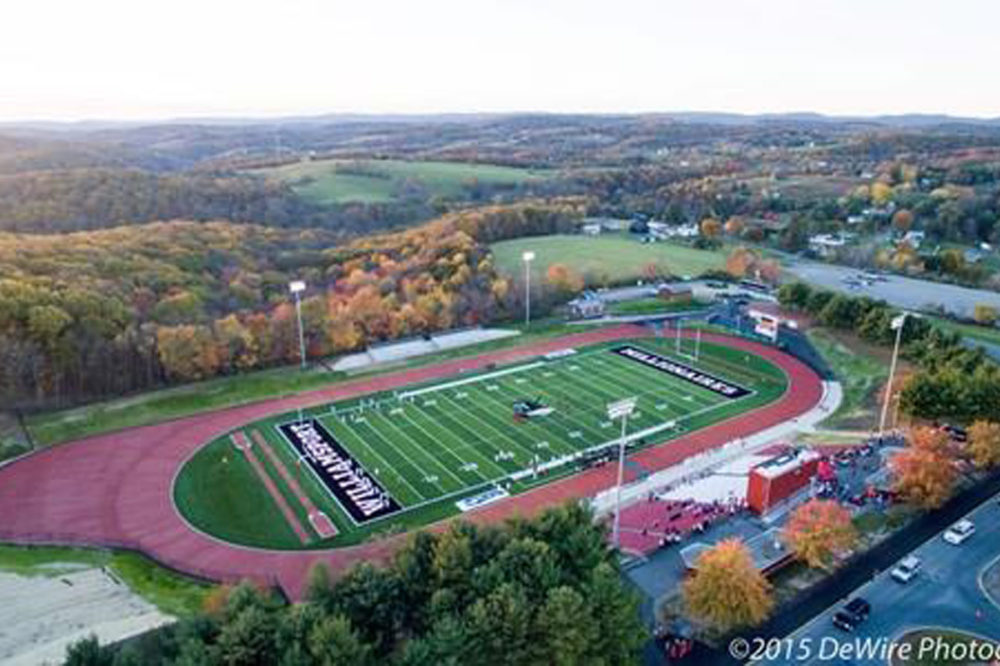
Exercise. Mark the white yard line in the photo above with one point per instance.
(469, 380)
(510, 439)
(424, 473)
(452, 451)
(389, 466)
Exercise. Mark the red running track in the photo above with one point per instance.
(115, 489)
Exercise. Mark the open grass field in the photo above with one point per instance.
(328, 182)
(426, 447)
(604, 260)
(860, 373)
(654, 305)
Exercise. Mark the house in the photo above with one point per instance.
(675, 293)
(767, 226)
(914, 238)
(586, 307)
(973, 256)
(826, 245)
(663, 231)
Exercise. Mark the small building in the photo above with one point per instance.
(586, 308)
(778, 479)
(826, 245)
(973, 256)
(914, 238)
(607, 223)
(662, 230)
(675, 293)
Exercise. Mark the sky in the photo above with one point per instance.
(133, 60)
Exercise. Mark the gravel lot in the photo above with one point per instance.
(40, 615)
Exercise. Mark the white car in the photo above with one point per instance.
(906, 570)
(959, 532)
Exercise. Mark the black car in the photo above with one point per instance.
(852, 614)
(844, 621)
(859, 608)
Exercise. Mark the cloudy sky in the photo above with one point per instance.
(128, 59)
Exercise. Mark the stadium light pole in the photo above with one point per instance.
(620, 409)
(297, 287)
(528, 257)
(897, 325)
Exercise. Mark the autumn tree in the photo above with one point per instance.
(726, 591)
(902, 220)
(819, 531)
(985, 314)
(187, 352)
(710, 227)
(741, 262)
(563, 279)
(924, 471)
(984, 443)
(881, 193)
(927, 438)
(734, 226)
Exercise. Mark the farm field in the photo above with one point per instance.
(330, 182)
(420, 450)
(603, 260)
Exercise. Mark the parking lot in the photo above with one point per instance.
(902, 292)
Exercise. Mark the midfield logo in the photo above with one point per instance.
(703, 379)
(358, 493)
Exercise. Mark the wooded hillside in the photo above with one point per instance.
(90, 314)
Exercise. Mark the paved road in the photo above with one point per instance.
(946, 593)
(899, 291)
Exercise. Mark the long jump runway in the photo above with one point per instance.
(115, 489)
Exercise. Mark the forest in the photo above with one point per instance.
(545, 591)
(164, 251)
(91, 314)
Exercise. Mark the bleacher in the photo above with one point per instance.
(400, 350)
(651, 524)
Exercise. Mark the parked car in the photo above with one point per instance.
(845, 621)
(859, 608)
(906, 570)
(959, 532)
(852, 614)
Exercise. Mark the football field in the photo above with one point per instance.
(417, 452)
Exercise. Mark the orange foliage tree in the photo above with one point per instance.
(563, 279)
(734, 226)
(710, 227)
(984, 444)
(902, 220)
(726, 591)
(924, 471)
(744, 262)
(818, 531)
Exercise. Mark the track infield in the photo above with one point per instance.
(394, 460)
(117, 489)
